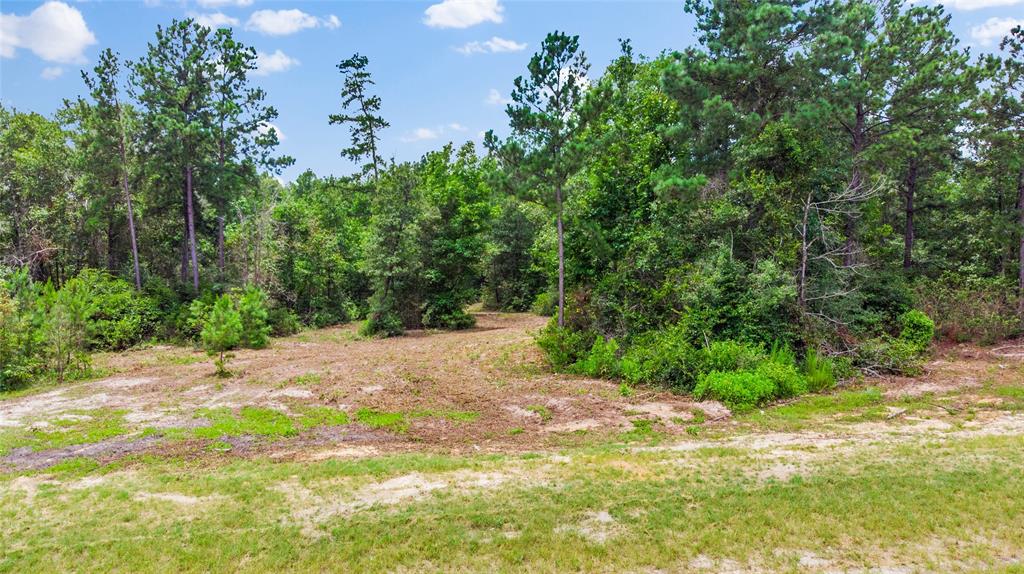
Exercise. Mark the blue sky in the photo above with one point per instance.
(442, 68)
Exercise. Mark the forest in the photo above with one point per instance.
(817, 189)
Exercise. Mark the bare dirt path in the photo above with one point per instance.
(484, 388)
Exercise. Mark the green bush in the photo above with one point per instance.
(917, 330)
(252, 310)
(601, 361)
(661, 358)
(222, 331)
(729, 356)
(564, 346)
(65, 317)
(18, 359)
(383, 321)
(283, 322)
(785, 378)
(445, 313)
(739, 390)
(970, 308)
(819, 371)
(122, 317)
(889, 355)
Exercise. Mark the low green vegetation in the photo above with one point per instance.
(74, 428)
(399, 421)
(604, 509)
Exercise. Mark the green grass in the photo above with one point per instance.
(322, 416)
(542, 411)
(81, 427)
(399, 421)
(852, 405)
(258, 421)
(915, 505)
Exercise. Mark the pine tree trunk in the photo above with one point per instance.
(856, 182)
(908, 227)
(220, 246)
(190, 214)
(561, 259)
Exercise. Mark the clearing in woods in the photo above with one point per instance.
(460, 452)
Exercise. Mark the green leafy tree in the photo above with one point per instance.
(222, 332)
(458, 211)
(545, 118)
(394, 255)
(252, 310)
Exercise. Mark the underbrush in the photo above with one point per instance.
(741, 374)
(970, 309)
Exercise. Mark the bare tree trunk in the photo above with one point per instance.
(131, 228)
(561, 259)
(111, 242)
(801, 281)
(220, 246)
(856, 182)
(190, 214)
(908, 228)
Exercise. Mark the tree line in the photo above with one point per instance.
(810, 176)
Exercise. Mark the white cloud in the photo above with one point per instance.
(284, 22)
(215, 20)
(51, 72)
(267, 64)
(495, 98)
(424, 134)
(54, 31)
(421, 134)
(222, 3)
(267, 126)
(463, 13)
(979, 4)
(993, 30)
(493, 45)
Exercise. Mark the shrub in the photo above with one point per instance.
(444, 313)
(252, 311)
(283, 322)
(739, 390)
(18, 362)
(662, 358)
(729, 356)
(222, 331)
(785, 378)
(888, 355)
(122, 317)
(819, 371)
(601, 361)
(918, 330)
(545, 304)
(65, 316)
(970, 308)
(383, 321)
(564, 346)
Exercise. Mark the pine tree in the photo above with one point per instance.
(222, 332)
(361, 112)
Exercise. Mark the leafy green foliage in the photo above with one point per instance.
(222, 331)
(122, 317)
(252, 311)
(918, 330)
